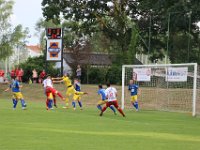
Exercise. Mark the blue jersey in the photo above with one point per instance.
(133, 88)
(15, 86)
(102, 93)
(78, 86)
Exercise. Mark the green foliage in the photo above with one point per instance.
(37, 63)
(114, 75)
(5, 13)
(133, 45)
(181, 15)
(10, 36)
(89, 17)
(96, 75)
(40, 27)
(115, 18)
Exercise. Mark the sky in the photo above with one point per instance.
(27, 13)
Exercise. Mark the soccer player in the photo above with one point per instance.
(49, 99)
(70, 88)
(50, 92)
(77, 94)
(111, 95)
(134, 90)
(103, 100)
(52, 96)
(17, 95)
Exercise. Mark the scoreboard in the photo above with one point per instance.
(54, 46)
(54, 33)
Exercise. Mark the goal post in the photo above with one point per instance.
(168, 87)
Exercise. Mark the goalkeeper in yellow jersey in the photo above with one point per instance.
(70, 88)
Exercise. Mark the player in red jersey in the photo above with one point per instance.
(50, 92)
(111, 94)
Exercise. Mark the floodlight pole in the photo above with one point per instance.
(168, 30)
(149, 46)
(62, 52)
(189, 30)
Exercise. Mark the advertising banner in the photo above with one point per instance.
(54, 50)
(142, 74)
(176, 74)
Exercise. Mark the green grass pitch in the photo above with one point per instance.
(61, 129)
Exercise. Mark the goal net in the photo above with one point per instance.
(167, 87)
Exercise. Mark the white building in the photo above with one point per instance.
(34, 50)
(20, 54)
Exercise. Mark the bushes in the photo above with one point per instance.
(97, 75)
(91, 75)
(102, 75)
(37, 63)
(114, 75)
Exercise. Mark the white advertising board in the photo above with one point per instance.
(178, 74)
(142, 74)
(54, 50)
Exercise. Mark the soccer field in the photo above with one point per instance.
(61, 129)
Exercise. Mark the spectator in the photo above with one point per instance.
(17, 72)
(35, 76)
(78, 72)
(12, 73)
(1, 76)
(20, 74)
(42, 76)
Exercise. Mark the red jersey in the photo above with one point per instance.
(21, 73)
(12, 73)
(42, 74)
(17, 72)
(1, 73)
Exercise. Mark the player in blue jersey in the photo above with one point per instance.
(77, 94)
(134, 90)
(17, 95)
(103, 100)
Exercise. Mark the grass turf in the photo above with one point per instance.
(61, 129)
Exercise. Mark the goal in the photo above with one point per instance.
(165, 87)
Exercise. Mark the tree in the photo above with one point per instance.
(115, 19)
(37, 63)
(10, 37)
(112, 18)
(74, 40)
(133, 45)
(180, 17)
(5, 12)
(40, 27)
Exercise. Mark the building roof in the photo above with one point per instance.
(92, 59)
(35, 48)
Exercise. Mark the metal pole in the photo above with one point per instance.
(45, 55)
(149, 47)
(189, 30)
(199, 46)
(62, 53)
(168, 30)
(123, 84)
(194, 95)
